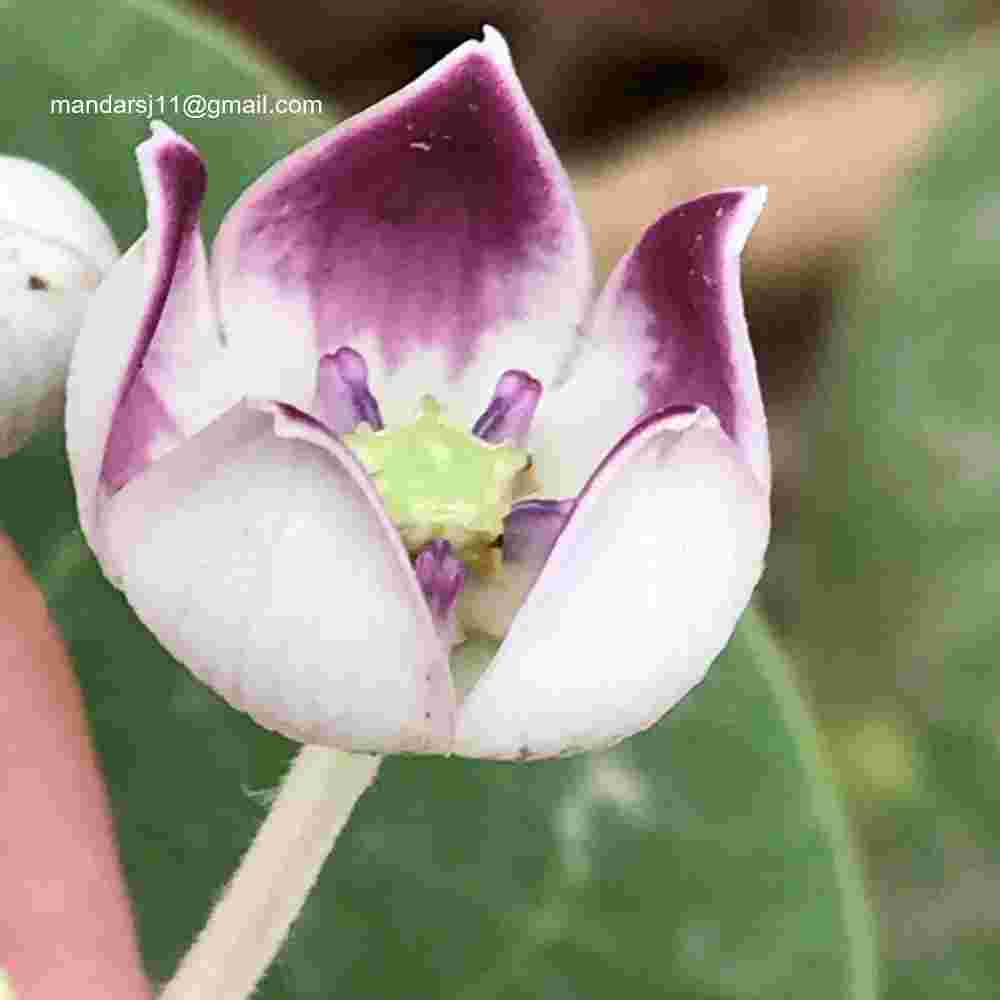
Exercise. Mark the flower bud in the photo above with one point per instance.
(54, 250)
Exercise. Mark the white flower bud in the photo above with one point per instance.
(54, 250)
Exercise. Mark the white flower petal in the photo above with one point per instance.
(640, 593)
(260, 563)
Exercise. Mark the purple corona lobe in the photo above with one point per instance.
(343, 398)
(531, 529)
(441, 575)
(508, 416)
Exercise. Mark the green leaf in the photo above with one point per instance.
(707, 858)
(123, 49)
(135, 50)
(900, 560)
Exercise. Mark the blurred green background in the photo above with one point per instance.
(710, 857)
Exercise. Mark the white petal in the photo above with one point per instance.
(640, 594)
(261, 565)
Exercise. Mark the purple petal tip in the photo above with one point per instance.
(174, 179)
(426, 222)
(681, 286)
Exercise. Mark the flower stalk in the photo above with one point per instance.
(252, 919)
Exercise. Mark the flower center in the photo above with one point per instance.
(439, 481)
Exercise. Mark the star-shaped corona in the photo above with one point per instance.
(438, 480)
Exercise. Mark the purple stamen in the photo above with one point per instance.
(509, 414)
(343, 398)
(532, 527)
(441, 575)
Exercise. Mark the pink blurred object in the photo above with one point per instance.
(65, 922)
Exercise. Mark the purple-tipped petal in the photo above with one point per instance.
(640, 593)
(686, 272)
(173, 178)
(149, 369)
(508, 415)
(667, 330)
(441, 575)
(489, 603)
(343, 399)
(260, 556)
(435, 232)
(158, 404)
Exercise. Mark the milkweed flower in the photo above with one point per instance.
(54, 250)
(388, 416)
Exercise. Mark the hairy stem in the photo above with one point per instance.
(251, 920)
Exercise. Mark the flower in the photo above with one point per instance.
(273, 456)
(54, 250)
